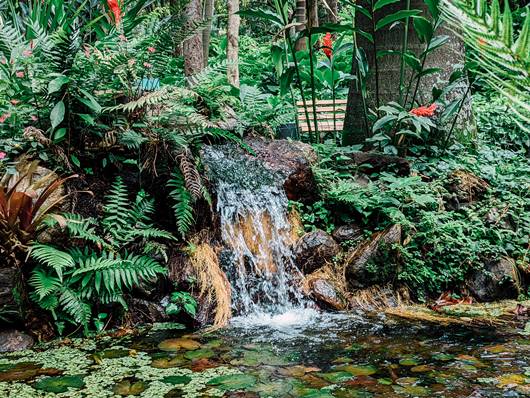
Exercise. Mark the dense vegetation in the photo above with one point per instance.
(118, 98)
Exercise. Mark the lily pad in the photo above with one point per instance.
(177, 379)
(441, 356)
(199, 354)
(318, 394)
(415, 391)
(337, 377)
(179, 344)
(59, 384)
(166, 363)
(233, 382)
(273, 389)
(129, 387)
(256, 358)
(409, 361)
(360, 370)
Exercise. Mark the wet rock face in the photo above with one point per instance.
(495, 282)
(325, 294)
(370, 262)
(314, 249)
(288, 161)
(13, 340)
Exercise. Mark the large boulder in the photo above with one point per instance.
(314, 250)
(13, 340)
(496, 281)
(370, 263)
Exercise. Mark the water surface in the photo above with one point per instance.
(302, 353)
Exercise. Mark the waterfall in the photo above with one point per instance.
(256, 232)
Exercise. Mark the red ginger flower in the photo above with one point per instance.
(327, 45)
(116, 10)
(426, 111)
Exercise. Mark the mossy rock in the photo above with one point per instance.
(59, 384)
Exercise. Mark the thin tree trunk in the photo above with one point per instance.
(232, 47)
(332, 13)
(312, 14)
(192, 48)
(301, 20)
(206, 33)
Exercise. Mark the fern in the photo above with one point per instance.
(505, 64)
(182, 208)
(53, 258)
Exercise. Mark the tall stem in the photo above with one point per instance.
(376, 62)
(466, 93)
(333, 96)
(313, 94)
(403, 51)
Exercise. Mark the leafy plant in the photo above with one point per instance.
(181, 301)
(114, 259)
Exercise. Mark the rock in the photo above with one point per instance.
(347, 232)
(289, 162)
(360, 262)
(145, 311)
(13, 340)
(465, 188)
(495, 282)
(325, 294)
(8, 279)
(314, 249)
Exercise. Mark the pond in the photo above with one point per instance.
(299, 354)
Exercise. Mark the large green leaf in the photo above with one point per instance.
(383, 3)
(57, 114)
(57, 83)
(397, 16)
(233, 382)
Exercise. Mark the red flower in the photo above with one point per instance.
(426, 111)
(327, 45)
(4, 117)
(148, 65)
(19, 74)
(116, 10)
(14, 101)
(3, 155)
(151, 49)
(27, 53)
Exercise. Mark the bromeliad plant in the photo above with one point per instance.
(26, 202)
(118, 252)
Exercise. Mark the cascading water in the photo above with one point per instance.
(257, 234)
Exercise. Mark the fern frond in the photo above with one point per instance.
(182, 206)
(116, 209)
(53, 258)
(83, 228)
(504, 65)
(75, 306)
(43, 283)
(191, 175)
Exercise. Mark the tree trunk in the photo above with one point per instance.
(232, 47)
(192, 48)
(389, 70)
(312, 13)
(206, 33)
(300, 17)
(332, 13)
